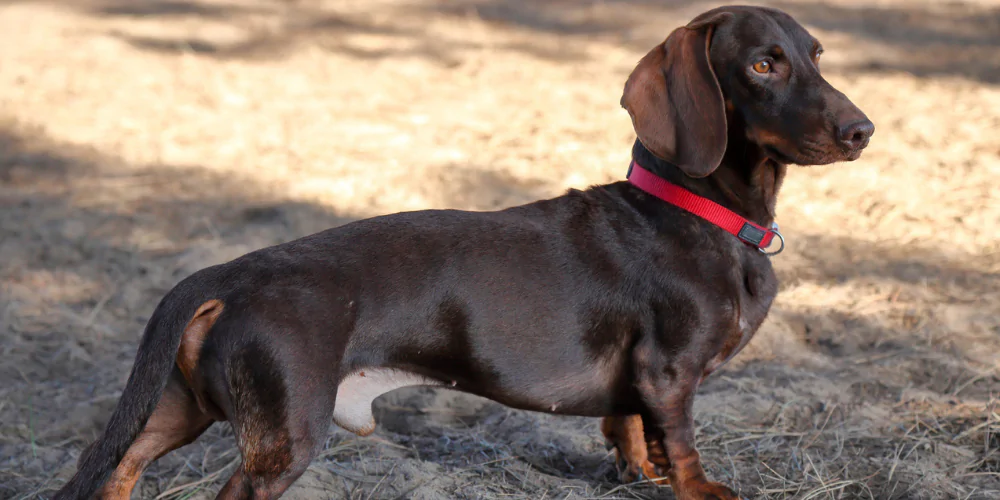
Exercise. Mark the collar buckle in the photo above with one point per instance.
(781, 240)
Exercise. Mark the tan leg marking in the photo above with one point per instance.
(626, 434)
(192, 341)
(175, 422)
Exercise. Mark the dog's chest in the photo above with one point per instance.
(755, 298)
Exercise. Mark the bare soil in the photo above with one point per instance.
(143, 140)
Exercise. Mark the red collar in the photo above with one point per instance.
(748, 232)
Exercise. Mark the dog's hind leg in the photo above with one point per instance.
(636, 458)
(280, 416)
(176, 422)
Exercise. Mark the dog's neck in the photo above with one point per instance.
(746, 182)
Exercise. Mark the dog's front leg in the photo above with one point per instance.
(670, 399)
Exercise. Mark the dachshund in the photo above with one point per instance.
(615, 301)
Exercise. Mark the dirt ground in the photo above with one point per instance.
(143, 140)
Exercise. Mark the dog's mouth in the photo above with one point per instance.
(853, 155)
(805, 151)
(810, 155)
(778, 156)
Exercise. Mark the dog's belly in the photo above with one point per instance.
(357, 391)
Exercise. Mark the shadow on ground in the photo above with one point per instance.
(921, 39)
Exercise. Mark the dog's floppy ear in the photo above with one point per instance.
(675, 101)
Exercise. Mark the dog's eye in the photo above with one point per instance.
(819, 52)
(762, 66)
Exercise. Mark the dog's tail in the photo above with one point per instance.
(153, 363)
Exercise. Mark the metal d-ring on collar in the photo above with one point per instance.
(781, 239)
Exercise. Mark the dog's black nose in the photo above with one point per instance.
(854, 136)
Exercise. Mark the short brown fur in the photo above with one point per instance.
(192, 341)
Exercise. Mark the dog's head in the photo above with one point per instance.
(751, 68)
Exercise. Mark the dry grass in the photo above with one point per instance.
(142, 140)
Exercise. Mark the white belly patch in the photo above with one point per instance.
(353, 407)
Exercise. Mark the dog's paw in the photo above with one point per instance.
(629, 473)
(707, 491)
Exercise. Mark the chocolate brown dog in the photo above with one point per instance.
(608, 302)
